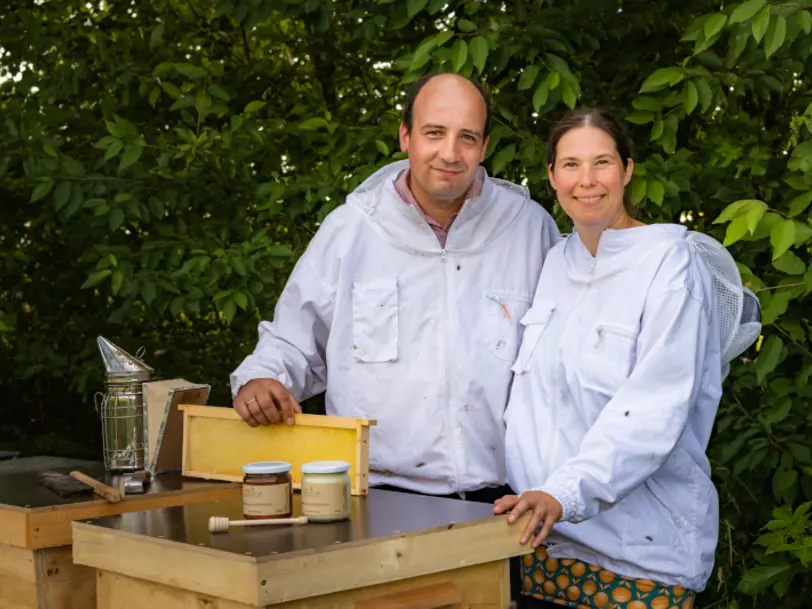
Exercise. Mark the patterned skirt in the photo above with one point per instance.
(572, 583)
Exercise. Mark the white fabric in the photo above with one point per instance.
(617, 384)
(421, 339)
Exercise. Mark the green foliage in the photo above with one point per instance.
(163, 162)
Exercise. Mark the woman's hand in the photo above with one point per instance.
(545, 509)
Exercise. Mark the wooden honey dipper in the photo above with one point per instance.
(221, 524)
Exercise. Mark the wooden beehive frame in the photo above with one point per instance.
(217, 443)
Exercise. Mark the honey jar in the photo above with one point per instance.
(267, 491)
(326, 491)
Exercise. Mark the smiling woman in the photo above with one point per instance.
(590, 165)
(617, 382)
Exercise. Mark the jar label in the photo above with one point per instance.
(324, 499)
(266, 500)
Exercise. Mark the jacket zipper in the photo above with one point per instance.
(452, 439)
(556, 380)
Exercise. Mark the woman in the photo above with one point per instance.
(616, 387)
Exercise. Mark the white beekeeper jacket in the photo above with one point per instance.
(394, 328)
(617, 384)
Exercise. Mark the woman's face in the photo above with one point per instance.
(589, 178)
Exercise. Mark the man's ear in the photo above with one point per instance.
(484, 150)
(404, 136)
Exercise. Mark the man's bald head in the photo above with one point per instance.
(456, 85)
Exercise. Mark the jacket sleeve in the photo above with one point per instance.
(640, 426)
(291, 348)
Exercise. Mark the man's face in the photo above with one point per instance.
(446, 144)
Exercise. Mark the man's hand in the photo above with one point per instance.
(265, 402)
(545, 509)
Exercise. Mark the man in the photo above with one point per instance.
(406, 306)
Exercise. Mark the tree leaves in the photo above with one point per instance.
(758, 579)
(254, 107)
(736, 230)
(96, 278)
(464, 25)
(540, 95)
(690, 97)
(41, 189)
(528, 77)
(799, 204)
(660, 79)
(714, 24)
(790, 264)
(776, 34)
(656, 191)
(761, 23)
(502, 158)
(459, 54)
(313, 123)
(746, 10)
(478, 48)
(132, 152)
(190, 71)
(782, 237)
(62, 195)
(415, 6)
(769, 357)
(801, 158)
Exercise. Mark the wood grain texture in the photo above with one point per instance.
(61, 584)
(479, 587)
(18, 578)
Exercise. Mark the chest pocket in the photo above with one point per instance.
(535, 322)
(607, 357)
(500, 327)
(375, 321)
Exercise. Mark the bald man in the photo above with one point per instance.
(406, 306)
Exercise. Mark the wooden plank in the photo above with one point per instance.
(310, 420)
(164, 422)
(61, 584)
(120, 592)
(427, 597)
(51, 527)
(201, 570)
(217, 443)
(288, 577)
(390, 559)
(480, 588)
(504, 578)
(18, 578)
(14, 526)
(362, 460)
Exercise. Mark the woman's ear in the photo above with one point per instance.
(551, 175)
(629, 171)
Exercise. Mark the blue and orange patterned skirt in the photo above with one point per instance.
(572, 583)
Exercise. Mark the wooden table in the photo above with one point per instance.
(395, 548)
(36, 567)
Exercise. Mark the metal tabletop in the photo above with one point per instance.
(381, 514)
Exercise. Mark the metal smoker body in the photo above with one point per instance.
(122, 408)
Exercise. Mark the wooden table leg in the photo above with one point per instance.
(44, 579)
